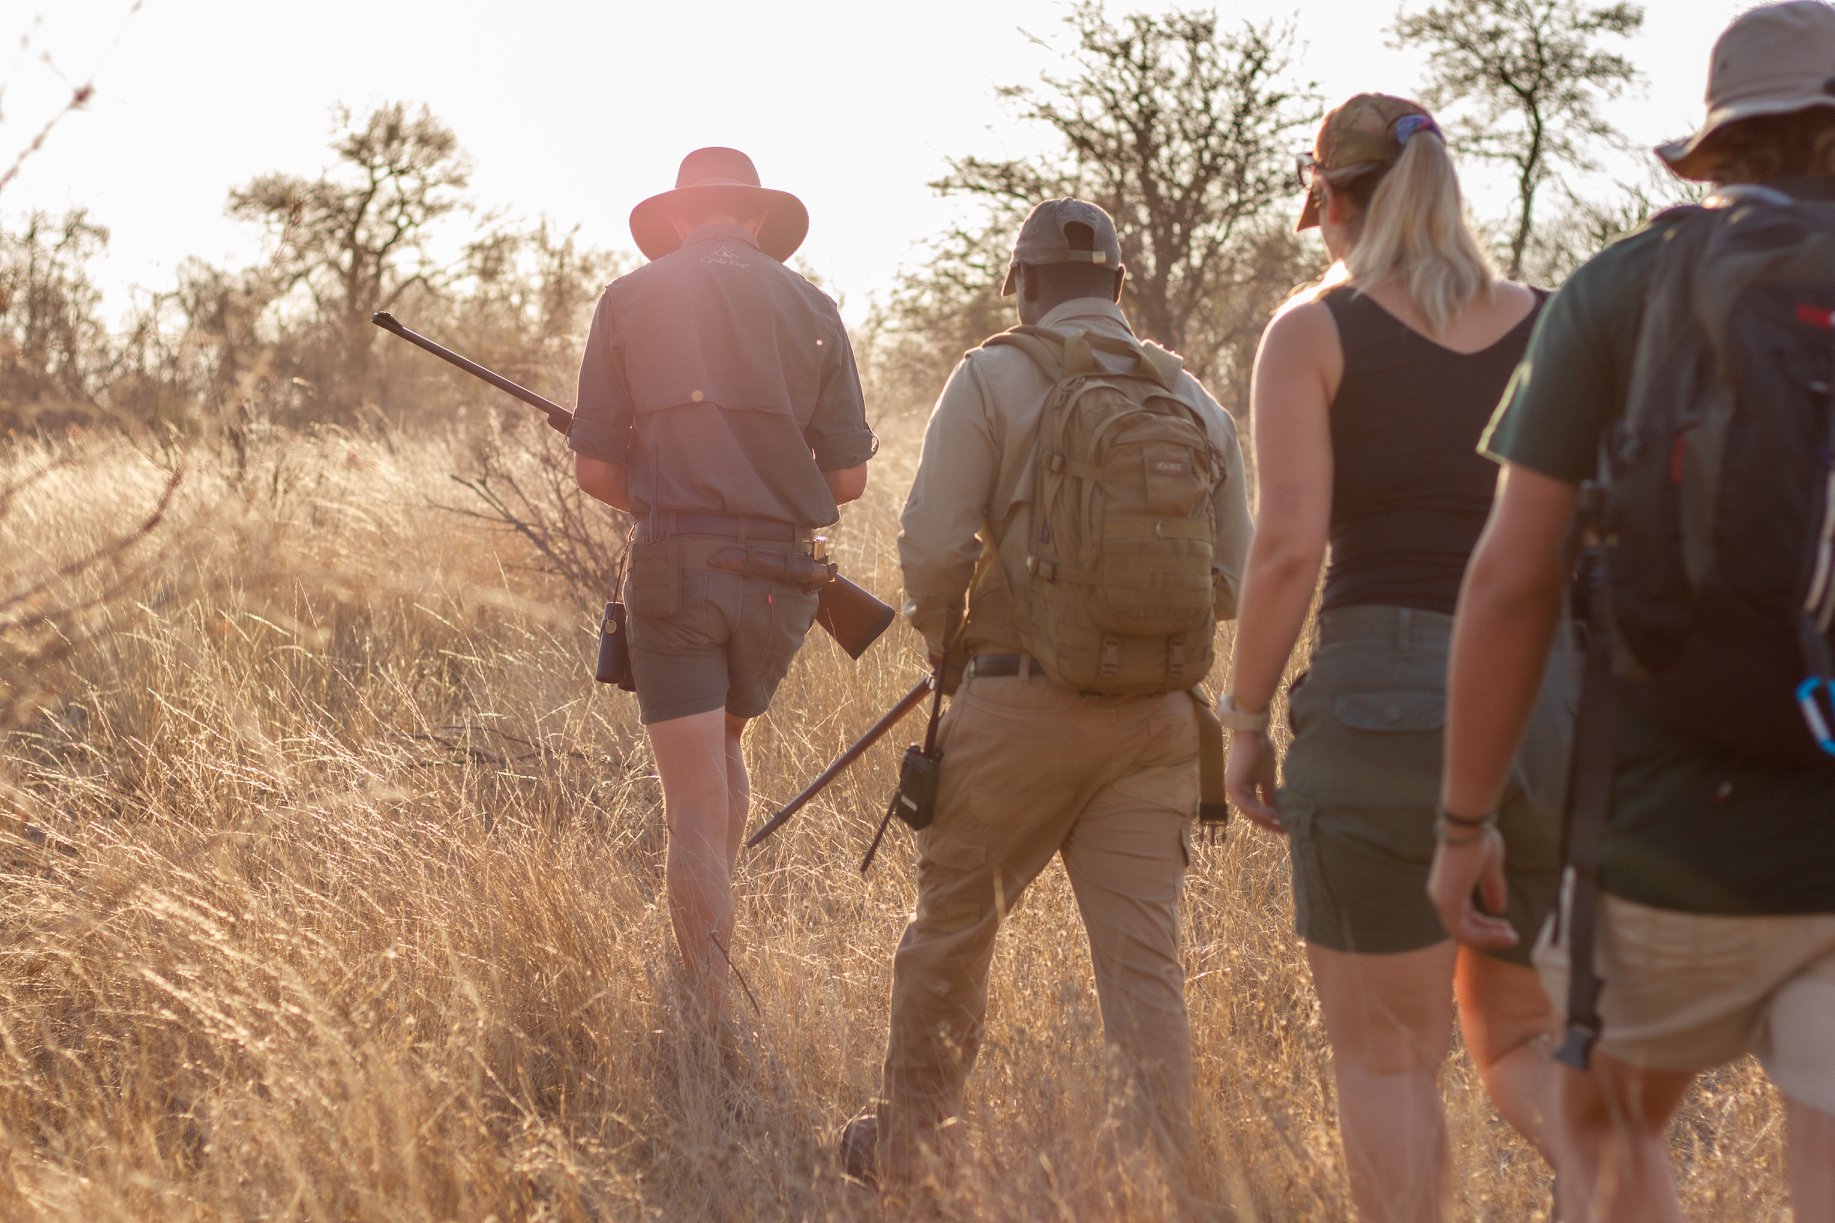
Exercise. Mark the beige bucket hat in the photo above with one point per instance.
(1772, 60)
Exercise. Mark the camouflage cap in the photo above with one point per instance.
(1363, 133)
(1054, 233)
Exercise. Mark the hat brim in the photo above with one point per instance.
(1695, 158)
(786, 220)
(1309, 213)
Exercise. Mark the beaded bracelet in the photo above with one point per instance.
(1487, 820)
(1452, 842)
(1476, 828)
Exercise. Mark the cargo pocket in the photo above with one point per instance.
(1369, 749)
(955, 887)
(655, 581)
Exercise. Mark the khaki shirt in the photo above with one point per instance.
(975, 476)
(725, 382)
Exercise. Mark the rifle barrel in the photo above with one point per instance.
(558, 416)
(911, 700)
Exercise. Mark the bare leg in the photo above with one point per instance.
(1390, 1021)
(738, 791)
(1613, 1149)
(1812, 1161)
(1509, 1028)
(692, 757)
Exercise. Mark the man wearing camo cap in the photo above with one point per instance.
(1034, 769)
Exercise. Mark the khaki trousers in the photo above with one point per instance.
(1031, 770)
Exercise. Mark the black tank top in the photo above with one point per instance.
(1410, 492)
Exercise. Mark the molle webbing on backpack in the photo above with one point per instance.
(1118, 594)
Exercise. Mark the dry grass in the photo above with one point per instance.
(332, 890)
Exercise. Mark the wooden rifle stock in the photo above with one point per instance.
(911, 700)
(851, 614)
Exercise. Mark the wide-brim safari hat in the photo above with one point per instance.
(1772, 60)
(725, 173)
(1363, 133)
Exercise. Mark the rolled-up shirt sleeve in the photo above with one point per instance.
(837, 432)
(1230, 505)
(602, 406)
(938, 540)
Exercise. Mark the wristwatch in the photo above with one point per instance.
(1240, 719)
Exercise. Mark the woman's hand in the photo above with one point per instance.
(1458, 872)
(1249, 777)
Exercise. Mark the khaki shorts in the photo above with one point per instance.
(727, 644)
(1690, 991)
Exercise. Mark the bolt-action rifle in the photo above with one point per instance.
(850, 613)
(911, 700)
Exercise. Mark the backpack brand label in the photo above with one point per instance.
(1171, 467)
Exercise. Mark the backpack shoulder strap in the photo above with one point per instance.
(1069, 356)
(1057, 356)
(1669, 297)
(1589, 802)
(1045, 348)
(1147, 359)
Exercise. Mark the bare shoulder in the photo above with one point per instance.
(1516, 298)
(1303, 331)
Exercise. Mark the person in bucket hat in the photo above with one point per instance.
(1709, 894)
(1370, 393)
(1777, 60)
(720, 406)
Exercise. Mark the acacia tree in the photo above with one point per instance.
(53, 346)
(1533, 75)
(1184, 131)
(354, 238)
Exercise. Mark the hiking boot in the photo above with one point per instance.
(859, 1149)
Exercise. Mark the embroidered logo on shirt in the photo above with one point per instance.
(725, 256)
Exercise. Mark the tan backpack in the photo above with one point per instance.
(1117, 596)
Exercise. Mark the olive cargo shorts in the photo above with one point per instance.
(1362, 780)
(1033, 770)
(726, 644)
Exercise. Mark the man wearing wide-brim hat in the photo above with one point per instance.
(719, 404)
(1711, 914)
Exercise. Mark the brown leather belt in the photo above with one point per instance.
(988, 666)
(652, 527)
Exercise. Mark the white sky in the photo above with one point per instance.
(575, 110)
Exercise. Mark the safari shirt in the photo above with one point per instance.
(1691, 827)
(724, 382)
(970, 505)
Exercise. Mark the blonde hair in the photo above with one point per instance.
(1413, 228)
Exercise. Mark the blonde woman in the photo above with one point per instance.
(1371, 392)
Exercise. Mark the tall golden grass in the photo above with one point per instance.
(332, 889)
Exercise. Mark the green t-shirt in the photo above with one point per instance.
(1692, 827)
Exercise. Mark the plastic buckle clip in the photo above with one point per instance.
(1812, 711)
